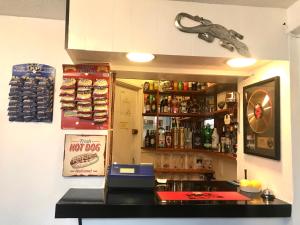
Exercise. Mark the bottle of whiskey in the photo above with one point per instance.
(152, 139)
(147, 140)
(161, 136)
(168, 136)
(214, 139)
(153, 105)
(148, 105)
(197, 138)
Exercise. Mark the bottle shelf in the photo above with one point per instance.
(201, 114)
(182, 93)
(169, 170)
(149, 114)
(184, 150)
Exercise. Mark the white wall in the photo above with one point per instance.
(32, 153)
(293, 18)
(148, 26)
(295, 93)
(277, 175)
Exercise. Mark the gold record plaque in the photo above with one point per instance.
(262, 119)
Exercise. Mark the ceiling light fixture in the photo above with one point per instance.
(241, 62)
(140, 57)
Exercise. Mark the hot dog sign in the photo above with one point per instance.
(84, 155)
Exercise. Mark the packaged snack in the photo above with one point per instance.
(100, 83)
(84, 89)
(98, 91)
(100, 120)
(68, 83)
(64, 92)
(84, 109)
(67, 106)
(100, 101)
(67, 99)
(101, 114)
(85, 83)
(100, 108)
(84, 96)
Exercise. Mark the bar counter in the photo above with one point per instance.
(102, 203)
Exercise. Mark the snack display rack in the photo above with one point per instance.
(86, 97)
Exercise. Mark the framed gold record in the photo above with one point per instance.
(261, 103)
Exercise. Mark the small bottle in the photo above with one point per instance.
(188, 135)
(153, 105)
(169, 104)
(147, 140)
(168, 136)
(185, 86)
(161, 136)
(196, 139)
(180, 86)
(207, 136)
(166, 107)
(175, 85)
(175, 107)
(181, 137)
(214, 139)
(146, 86)
(148, 105)
(152, 139)
(190, 86)
(151, 86)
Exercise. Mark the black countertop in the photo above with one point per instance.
(100, 203)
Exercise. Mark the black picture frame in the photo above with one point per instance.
(261, 117)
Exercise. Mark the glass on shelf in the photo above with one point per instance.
(178, 161)
(166, 161)
(190, 161)
(158, 161)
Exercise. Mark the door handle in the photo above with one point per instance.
(134, 131)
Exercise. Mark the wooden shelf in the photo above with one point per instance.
(202, 150)
(189, 92)
(152, 92)
(148, 149)
(201, 114)
(200, 171)
(149, 114)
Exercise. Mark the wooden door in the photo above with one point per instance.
(127, 119)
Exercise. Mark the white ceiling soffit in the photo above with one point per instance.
(50, 9)
(168, 66)
(259, 3)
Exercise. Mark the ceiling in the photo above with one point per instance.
(259, 3)
(55, 9)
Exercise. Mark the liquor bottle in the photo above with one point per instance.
(188, 136)
(194, 107)
(147, 140)
(166, 108)
(169, 104)
(190, 84)
(161, 136)
(185, 86)
(161, 105)
(168, 136)
(153, 105)
(175, 108)
(228, 145)
(207, 136)
(196, 138)
(214, 139)
(152, 139)
(175, 85)
(223, 139)
(194, 86)
(233, 137)
(180, 86)
(181, 137)
(148, 105)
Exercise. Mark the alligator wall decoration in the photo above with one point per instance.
(208, 31)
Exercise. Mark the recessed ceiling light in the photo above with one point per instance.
(241, 62)
(140, 57)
